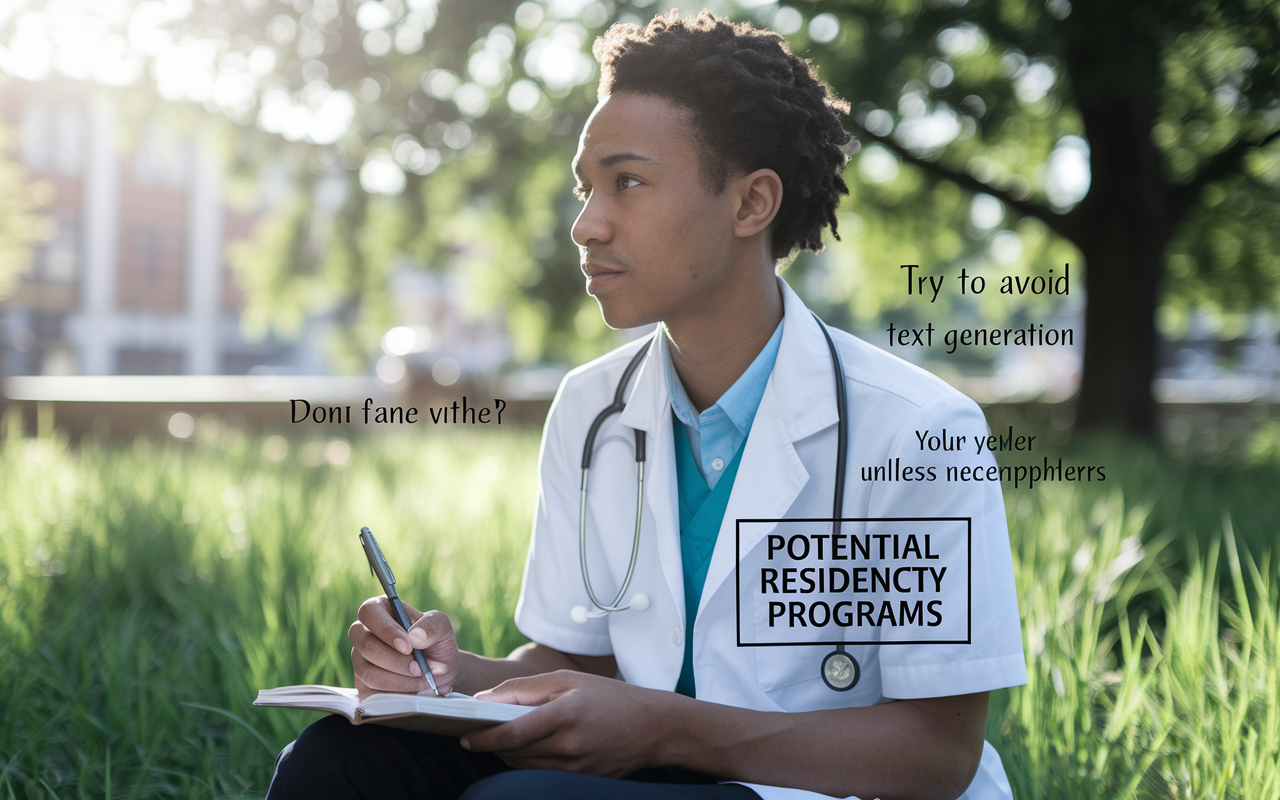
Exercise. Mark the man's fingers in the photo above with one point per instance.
(361, 689)
(377, 679)
(429, 629)
(535, 690)
(378, 652)
(376, 615)
(512, 737)
(385, 649)
(426, 629)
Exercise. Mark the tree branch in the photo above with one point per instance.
(1220, 166)
(1061, 224)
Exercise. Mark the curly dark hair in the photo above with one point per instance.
(755, 105)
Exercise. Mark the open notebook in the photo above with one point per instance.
(453, 714)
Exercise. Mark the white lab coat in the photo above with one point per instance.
(786, 471)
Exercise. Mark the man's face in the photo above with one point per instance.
(655, 243)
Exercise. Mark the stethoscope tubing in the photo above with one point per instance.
(588, 446)
(618, 404)
(635, 546)
(837, 510)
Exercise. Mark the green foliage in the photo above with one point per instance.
(1025, 84)
(1228, 257)
(279, 290)
(1008, 79)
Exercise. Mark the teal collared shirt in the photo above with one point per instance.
(721, 431)
(716, 434)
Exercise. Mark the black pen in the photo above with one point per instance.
(379, 567)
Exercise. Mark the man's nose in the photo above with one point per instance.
(591, 225)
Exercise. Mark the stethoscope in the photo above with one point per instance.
(840, 670)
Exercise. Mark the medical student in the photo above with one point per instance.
(713, 153)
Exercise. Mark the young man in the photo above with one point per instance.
(713, 153)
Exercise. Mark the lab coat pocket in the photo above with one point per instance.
(777, 666)
(791, 675)
(791, 678)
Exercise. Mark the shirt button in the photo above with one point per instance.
(717, 464)
(676, 638)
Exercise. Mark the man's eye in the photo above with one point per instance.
(627, 182)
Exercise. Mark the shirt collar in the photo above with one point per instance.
(802, 385)
(739, 402)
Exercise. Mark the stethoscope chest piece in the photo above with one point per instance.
(840, 671)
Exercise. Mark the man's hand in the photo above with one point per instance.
(584, 723)
(599, 726)
(383, 651)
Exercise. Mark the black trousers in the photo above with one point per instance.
(335, 759)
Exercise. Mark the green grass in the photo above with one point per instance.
(148, 592)
(1142, 682)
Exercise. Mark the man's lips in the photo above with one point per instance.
(600, 276)
(594, 267)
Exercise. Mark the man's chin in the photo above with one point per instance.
(620, 319)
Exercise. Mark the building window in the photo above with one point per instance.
(53, 138)
(58, 260)
(160, 160)
(35, 136)
(152, 277)
(68, 140)
(131, 361)
(251, 363)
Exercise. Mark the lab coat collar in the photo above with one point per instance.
(803, 379)
(799, 401)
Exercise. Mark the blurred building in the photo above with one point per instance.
(134, 283)
(134, 280)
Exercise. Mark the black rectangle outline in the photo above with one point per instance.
(737, 585)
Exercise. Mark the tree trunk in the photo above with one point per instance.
(1125, 223)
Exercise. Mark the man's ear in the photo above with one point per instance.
(759, 196)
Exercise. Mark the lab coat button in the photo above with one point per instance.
(676, 639)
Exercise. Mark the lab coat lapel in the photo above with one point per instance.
(649, 409)
(798, 402)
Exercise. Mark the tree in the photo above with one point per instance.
(1177, 102)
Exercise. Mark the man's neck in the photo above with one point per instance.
(712, 349)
